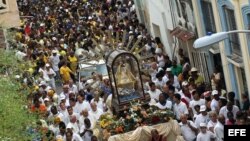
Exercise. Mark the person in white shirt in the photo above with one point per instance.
(154, 92)
(153, 71)
(196, 101)
(48, 75)
(54, 60)
(71, 113)
(64, 111)
(163, 103)
(85, 131)
(215, 101)
(165, 77)
(219, 128)
(82, 104)
(188, 128)
(43, 86)
(229, 107)
(159, 82)
(72, 87)
(213, 121)
(202, 117)
(73, 124)
(86, 114)
(205, 135)
(179, 107)
(98, 100)
(96, 112)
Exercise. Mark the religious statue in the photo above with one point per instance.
(124, 77)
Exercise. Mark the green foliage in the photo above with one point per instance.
(14, 116)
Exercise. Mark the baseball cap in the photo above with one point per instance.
(215, 92)
(46, 99)
(194, 69)
(203, 124)
(203, 108)
(184, 83)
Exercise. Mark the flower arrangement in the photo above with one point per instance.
(139, 114)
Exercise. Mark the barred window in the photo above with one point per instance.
(208, 16)
(231, 25)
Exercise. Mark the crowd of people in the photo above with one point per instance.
(52, 31)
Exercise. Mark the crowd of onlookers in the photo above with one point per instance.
(52, 31)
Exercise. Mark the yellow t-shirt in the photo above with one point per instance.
(65, 73)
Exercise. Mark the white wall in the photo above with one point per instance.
(159, 14)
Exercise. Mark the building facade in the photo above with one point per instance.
(226, 15)
(179, 22)
(174, 22)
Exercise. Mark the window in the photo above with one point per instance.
(3, 6)
(248, 27)
(208, 17)
(231, 25)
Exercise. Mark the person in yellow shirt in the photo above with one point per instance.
(65, 72)
(73, 62)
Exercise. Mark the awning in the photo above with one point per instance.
(182, 33)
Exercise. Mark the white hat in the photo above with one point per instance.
(47, 65)
(42, 24)
(215, 92)
(203, 108)
(168, 69)
(194, 69)
(184, 83)
(17, 76)
(203, 124)
(54, 38)
(54, 51)
(46, 99)
(42, 83)
(130, 32)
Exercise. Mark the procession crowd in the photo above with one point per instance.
(52, 32)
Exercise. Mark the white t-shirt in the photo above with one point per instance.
(168, 105)
(74, 127)
(205, 137)
(54, 60)
(81, 106)
(224, 111)
(180, 109)
(214, 105)
(219, 131)
(201, 119)
(154, 94)
(187, 132)
(96, 114)
(211, 124)
(194, 102)
(99, 103)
